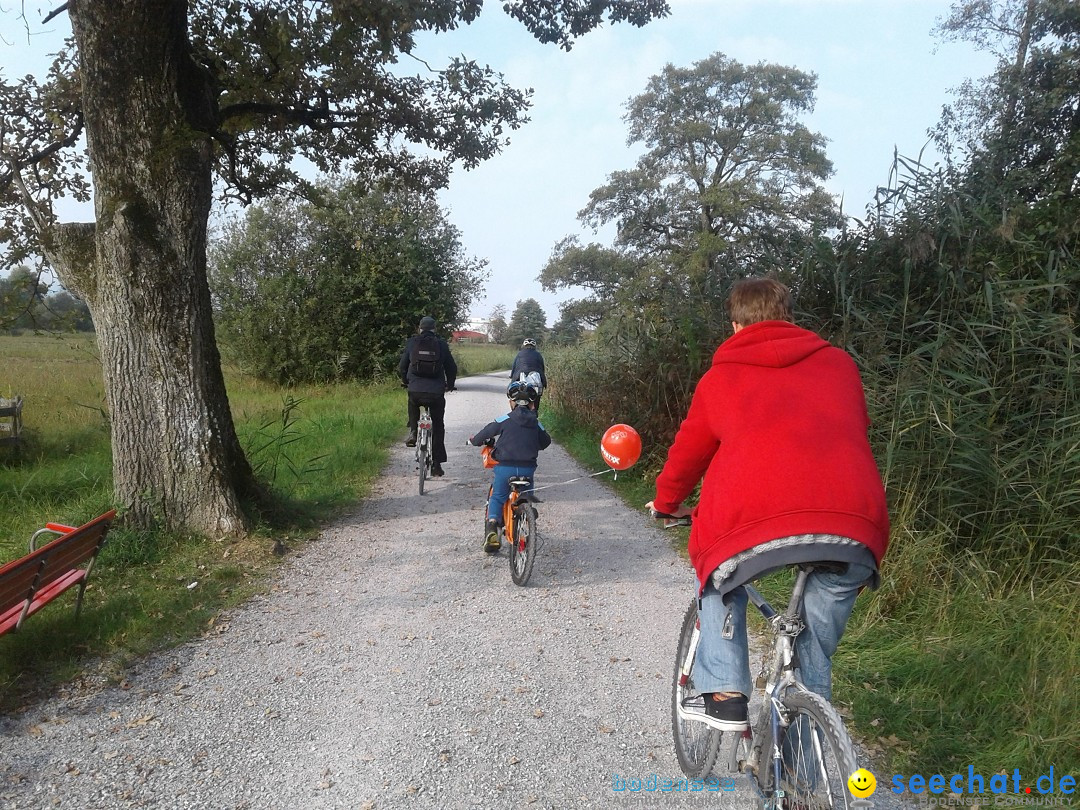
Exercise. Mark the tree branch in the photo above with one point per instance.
(314, 117)
(56, 12)
(41, 222)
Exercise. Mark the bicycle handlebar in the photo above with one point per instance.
(670, 521)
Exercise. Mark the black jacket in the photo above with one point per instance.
(529, 359)
(520, 436)
(445, 372)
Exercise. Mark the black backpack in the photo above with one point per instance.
(424, 355)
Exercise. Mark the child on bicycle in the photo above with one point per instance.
(519, 437)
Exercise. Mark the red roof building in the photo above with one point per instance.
(468, 336)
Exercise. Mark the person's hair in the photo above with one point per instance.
(759, 299)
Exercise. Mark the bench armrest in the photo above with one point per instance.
(50, 528)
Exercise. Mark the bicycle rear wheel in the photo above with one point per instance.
(817, 757)
(696, 744)
(422, 459)
(523, 544)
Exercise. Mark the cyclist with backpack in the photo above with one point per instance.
(519, 437)
(529, 360)
(428, 371)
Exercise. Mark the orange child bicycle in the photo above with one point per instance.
(519, 522)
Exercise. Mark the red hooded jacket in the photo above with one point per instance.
(777, 427)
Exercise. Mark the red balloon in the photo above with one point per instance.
(620, 447)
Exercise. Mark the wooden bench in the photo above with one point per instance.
(31, 582)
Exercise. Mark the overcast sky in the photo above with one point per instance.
(882, 80)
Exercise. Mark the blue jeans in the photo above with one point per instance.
(500, 487)
(723, 665)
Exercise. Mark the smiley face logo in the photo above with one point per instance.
(862, 783)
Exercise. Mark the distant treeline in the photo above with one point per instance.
(28, 304)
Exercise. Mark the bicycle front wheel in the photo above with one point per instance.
(523, 544)
(817, 756)
(696, 744)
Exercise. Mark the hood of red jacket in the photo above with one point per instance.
(773, 344)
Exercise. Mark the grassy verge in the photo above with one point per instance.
(952, 664)
(634, 486)
(479, 358)
(317, 447)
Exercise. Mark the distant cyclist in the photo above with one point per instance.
(428, 370)
(519, 437)
(529, 360)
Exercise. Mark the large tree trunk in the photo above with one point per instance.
(176, 458)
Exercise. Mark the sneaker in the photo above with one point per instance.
(726, 714)
(411, 441)
(492, 541)
(437, 471)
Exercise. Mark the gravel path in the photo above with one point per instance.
(395, 665)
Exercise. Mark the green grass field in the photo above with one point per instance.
(317, 447)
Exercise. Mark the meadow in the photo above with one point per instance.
(317, 448)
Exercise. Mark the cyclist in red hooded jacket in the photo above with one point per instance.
(777, 435)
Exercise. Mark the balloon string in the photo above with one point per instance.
(572, 480)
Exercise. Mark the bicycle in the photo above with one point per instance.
(796, 752)
(423, 445)
(519, 523)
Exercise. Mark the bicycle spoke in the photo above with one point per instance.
(523, 543)
(817, 754)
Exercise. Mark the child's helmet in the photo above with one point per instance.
(522, 392)
(527, 343)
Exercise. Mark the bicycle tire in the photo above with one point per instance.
(422, 461)
(818, 757)
(523, 544)
(696, 744)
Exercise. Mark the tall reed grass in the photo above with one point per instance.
(963, 318)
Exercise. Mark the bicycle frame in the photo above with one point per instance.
(781, 675)
(797, 743)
